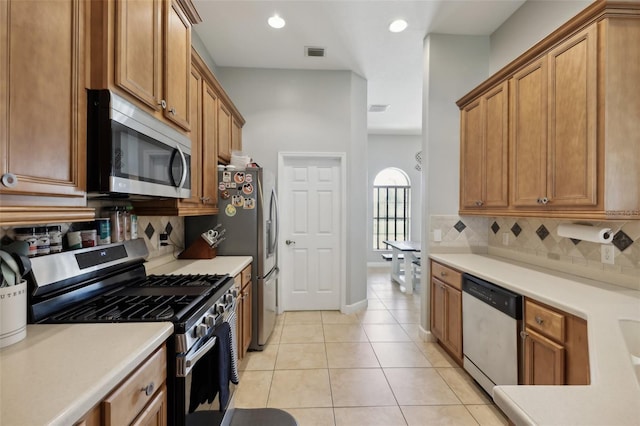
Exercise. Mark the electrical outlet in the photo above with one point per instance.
(505, 239)
(164, 237)
(607, 254)
(437, 235)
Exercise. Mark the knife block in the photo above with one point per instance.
(199, 249)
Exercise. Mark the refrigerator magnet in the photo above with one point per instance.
(248, 177)
(238, 177)
(230, 210)
(221, 186)
(225, 194)
(249, 203)
(247, 188)
(226, 176)
(237, 200)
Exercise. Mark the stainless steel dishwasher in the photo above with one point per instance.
(491, 322)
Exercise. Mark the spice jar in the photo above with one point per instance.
(89, 238)
(55, 238)
(44, 242)
(103, 228)
(28, 235)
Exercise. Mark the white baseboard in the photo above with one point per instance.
(356, 307)
(426, 335)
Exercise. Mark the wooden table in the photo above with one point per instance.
(403, 276)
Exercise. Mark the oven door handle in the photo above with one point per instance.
(185, 364)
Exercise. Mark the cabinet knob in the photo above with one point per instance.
(9, 180)
(443, 274)
(172, 111)
(539, 320)
(523, 335)
(163, 104)
(544, 200)
(148, 390)
(479, 203)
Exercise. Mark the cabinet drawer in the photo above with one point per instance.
(246, 276)
(447, 275)
(237, 282)
(545, 320)
(124, 404)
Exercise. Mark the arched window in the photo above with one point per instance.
(391, 207)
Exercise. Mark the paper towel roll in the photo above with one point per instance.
(585, 233)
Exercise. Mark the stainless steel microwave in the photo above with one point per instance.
(132, 154)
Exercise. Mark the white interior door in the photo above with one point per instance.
(311, 198)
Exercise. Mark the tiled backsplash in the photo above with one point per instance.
(538, 237)
(468, 233)
(149, 228)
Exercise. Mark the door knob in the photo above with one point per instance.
(289, 242)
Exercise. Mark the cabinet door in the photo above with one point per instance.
(472, 155)
(177, 65)
(453, 320)
(528, 121)
(236, 135)
(438, 295)
(195, 98)
(209, 145)
(43, 102)
(246, 317)
(572, 177)
(543, 360)
(224, 132)
(155, 413)
(237, 284)
(138, 50)
(496, 147)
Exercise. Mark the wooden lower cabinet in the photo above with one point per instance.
(446, 309)
(555, 347)
(141, 399)
(243, 311)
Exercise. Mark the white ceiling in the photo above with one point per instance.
(356, 38)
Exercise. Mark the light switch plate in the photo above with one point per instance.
(437, 235)
(505, 239)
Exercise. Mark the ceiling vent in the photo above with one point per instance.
(317, 52)
(378, 108)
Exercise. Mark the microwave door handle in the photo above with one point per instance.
(184, 167)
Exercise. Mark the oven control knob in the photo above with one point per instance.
(210, 320)
(201, 330)
(228, 298)
(220, 308)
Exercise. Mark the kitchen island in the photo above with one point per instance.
(613, 396)
(61, 371)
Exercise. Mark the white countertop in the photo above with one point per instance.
(231, 265)
(613, 397)
(59, 372)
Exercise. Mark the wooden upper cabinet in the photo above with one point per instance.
(195, 97)
(138, 59)
(177, 65)
(529, 134)
(142, 50)
(224, 133)
(572, 143)
(210, 112)
(484, 149)
(236, 134)
(573, 125)
(42, 111)
(554, 114)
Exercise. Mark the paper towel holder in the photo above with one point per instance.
(585, 232)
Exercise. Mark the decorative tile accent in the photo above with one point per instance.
(542, 232)
(460, 226)
(621, 241)
(495, 227)
(575, 241)
(516, 229)
(168, 229)
(149, 231)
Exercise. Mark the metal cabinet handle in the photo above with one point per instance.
(289, 242)
(539, 320)
(9, 180)
(148, 390)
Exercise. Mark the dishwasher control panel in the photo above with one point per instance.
(500, 298)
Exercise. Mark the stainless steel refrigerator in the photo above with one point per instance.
(249, 215)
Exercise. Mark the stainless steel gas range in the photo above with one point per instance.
(110, 284)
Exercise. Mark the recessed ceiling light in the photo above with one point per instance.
(276, 22)
(398, 26)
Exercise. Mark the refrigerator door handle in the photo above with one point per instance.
(273, 213)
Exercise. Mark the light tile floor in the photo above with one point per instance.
(369, 368)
